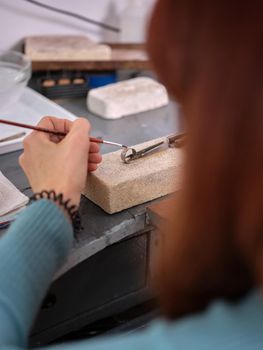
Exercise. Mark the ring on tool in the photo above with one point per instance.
(128, 154)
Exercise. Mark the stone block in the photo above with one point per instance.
(116, 186)
(127, 97)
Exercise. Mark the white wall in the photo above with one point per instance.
(19, 19)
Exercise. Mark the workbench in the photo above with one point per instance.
(109, 268)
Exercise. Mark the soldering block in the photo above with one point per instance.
(127, 97)
(116, 186)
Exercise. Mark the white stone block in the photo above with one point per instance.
(127, 97)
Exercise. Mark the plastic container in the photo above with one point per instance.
(15, 71)
(98, 80)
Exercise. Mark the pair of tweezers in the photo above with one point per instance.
(130, 154)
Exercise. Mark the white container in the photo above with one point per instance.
(133, 22)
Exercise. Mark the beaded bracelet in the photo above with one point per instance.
(72, 210)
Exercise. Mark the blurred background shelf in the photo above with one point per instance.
(123, 56)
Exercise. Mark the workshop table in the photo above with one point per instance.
(109, 267)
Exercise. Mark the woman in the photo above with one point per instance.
(209, 55)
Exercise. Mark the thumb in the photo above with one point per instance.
(78, 136)
(80, 125)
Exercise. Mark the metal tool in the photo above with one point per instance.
(13, 137)
(129, 154)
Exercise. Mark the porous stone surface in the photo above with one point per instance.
(116, 186)
(127, 97)
(65, 48)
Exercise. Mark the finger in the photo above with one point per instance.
(79, 130)
(92, 167)
(80, 124)
(29, 139)
(21, 160)
(36, 138)
(95, 158)
(94, 147)
(77, 140)
(56, 138)
(56, 124)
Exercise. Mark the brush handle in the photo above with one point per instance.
(38, 128)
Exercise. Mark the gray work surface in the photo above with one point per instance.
(100, 228)
(129, 130)
(96, 283)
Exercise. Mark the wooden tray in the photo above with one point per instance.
(123, 56)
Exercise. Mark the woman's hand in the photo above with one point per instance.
(60, 164)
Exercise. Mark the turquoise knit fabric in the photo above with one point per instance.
(37, 244)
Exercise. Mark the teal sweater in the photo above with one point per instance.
(35, 247)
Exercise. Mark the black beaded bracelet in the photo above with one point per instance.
(72, 210)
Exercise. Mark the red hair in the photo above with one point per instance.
(209, 54)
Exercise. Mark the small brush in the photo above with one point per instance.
(58, 133)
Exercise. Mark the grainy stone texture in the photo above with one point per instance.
(116, 186)
(127, 97)
(63, 47)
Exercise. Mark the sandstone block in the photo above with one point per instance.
(116, 186)
(127, 97)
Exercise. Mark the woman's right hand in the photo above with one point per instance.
(60, 165)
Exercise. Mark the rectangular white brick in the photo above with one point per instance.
(127, 97)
